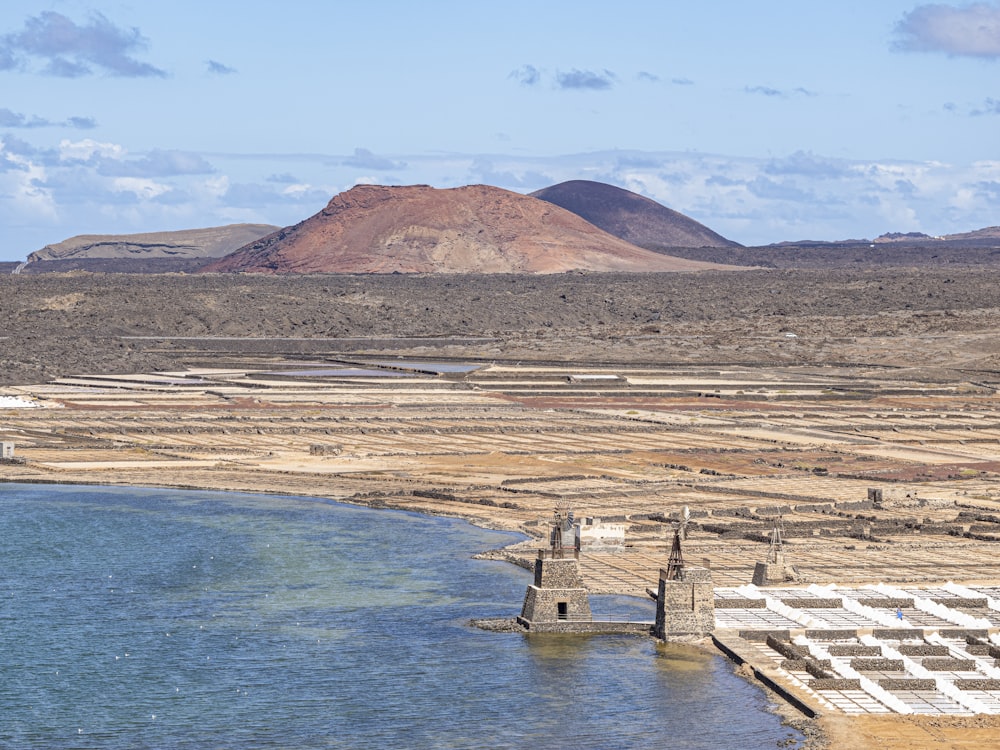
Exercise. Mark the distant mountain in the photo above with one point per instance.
(904, 237)
(152, 251)
(420, 229)
(986, 237)
(987, 234)
(977, 249)
(630, 216)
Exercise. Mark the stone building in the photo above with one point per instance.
(685, 599)
(685, 604)
(557, 598)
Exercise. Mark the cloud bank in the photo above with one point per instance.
(586, 79)
(11, 119)
(365, 159)
(971, 30)
(219, 69)
(52, 44)
(88, 186)
(574, 79)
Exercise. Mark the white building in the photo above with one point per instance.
(593, 532)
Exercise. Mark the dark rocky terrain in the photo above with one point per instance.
(837, 256)
(930, 306)
(631, 216)
(939, 321)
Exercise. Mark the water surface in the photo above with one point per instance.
(156, 618)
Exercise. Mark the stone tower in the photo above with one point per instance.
(774, 569)
(685, 599)
(557, 598)
(685, 604)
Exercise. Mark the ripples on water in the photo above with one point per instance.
(157, 618)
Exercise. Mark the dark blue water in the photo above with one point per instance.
(135, 618)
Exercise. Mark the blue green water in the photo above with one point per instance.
(147, 618)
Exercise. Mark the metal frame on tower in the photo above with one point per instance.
(675, 565)
(774, 552)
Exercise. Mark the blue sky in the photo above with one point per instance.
(769, 120)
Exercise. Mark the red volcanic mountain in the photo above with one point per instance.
(631, 216)
(420, 229)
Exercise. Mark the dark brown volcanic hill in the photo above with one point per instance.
(420, 229)
(632, 217)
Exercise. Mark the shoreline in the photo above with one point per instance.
(810, 728)
(824, 731)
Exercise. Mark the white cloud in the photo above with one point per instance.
(70, 50)
(22, 189)
(88, 148)
(215, 187)
(971, 30)
(298, 190)
(142, 188)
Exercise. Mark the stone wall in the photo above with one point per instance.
(877, 665)
(886, 603)
(740, 604)
(785, 648)
(852, 649)
(558, 573)
(978, 684)
(907, 683)
(834, 683)
(813, 603)
(923, 649)
(587, 628)
(936, 664)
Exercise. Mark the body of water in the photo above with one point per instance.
(135, 618)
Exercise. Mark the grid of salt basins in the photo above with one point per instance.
(878, 648)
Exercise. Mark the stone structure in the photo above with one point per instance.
(774, 569)
(6, 450)
(557, 598)
(685, 603)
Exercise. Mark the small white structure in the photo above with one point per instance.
(593, 532)
(594, 378)
(6, 450)
(16, 402)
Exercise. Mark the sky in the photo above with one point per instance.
(767, 121)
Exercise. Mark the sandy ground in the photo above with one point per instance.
(909, 732)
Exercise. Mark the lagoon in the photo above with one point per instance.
(180, 619)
